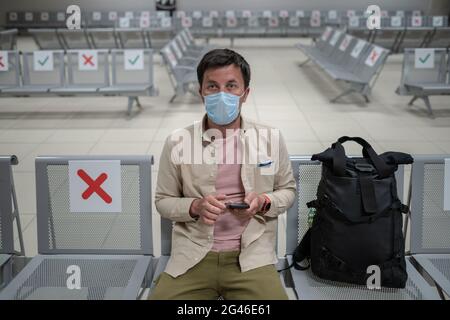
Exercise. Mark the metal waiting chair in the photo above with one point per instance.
(390, 34)
(423, 82)
(35, 81)
(131, 82)
(46, 39)
(181, 77)
(112, 251)
(11, 77)
(75, 39)
(183, 58)
(132, 38)
(103, 38)
(310, 287)
(84, 81)
(430, 220)
(9, 213)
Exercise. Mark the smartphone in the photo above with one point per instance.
(236, 205)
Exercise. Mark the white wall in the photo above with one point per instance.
(428, 6)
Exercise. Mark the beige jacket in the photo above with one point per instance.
(180, 182)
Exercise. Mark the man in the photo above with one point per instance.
(218, 249)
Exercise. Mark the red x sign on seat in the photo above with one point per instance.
(94, 186)
(87, 60)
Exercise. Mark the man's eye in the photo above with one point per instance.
(232, 85)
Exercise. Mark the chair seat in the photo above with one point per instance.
(103, 277)
(29, 89)
(436, 88)
(125, 88)
(438, 267)
(4, 258)
(310, 287)
(75, 89)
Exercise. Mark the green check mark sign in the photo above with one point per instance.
(42, 62)
(423, 60)
(133, 61)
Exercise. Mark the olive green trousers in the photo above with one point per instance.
(219, 275)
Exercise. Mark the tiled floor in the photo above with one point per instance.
(294, 99)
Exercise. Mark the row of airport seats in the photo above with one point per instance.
(398, 33)
(425, 73)
(100, 38)
(181, 57)
(8, 39)
(347, 59)
(115, 256)
(113, 72)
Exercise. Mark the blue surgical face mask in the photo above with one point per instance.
(222, 108)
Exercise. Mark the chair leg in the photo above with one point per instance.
(341, 95)
(428, 104)
(366, 98)
(304, 62)
(130, 105)
(173, 98)
(138, 103)
(410, 103)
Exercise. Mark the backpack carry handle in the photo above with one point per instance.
(339, 157)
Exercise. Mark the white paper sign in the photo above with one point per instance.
(229, 13)
(345, 42)
(284, 14)
(374, 56)
(246, 13)
(417, 13)
(253, 22)
(396, 21)
(274, 22)
(61, 16)
(416, 21)
(96, 16)
(351, 13)
(267, 13)
(13, 16)
(170, 56)
(161, 14)
(315, 13)
(207, 22)
(326, 34)
(185, 37)
(197, 14)
(447, 185)
(177, 50)
(186, 22)
(181, 42)
(332, 14)
(180, 14)
(44, 16)
(400, 13)
(353, 22)
(294, 21)
(129, 14)
(4, 65)
(95, 186)
(315, 21)
(87, 60)
(231, 22)
(124, 22)
(133, 59)
(424, 58)
(28, 16)
(334, 39)
(384, 14)
(144, 22)
(43, 60)
(166, 22)
(300, 13)
(112, 16)
(358, 48)
(214, 14)
(438, 21)
(145, 14)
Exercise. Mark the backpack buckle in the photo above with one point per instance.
(364, 167)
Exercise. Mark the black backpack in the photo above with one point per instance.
(358, 218)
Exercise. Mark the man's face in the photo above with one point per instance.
(228, 79)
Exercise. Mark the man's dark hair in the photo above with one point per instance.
(218, 58)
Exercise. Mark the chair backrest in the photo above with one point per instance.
(169, 57)
(132, 71)
(132, 38)
(176, 49)
(43, 68)
(182, 45)
(430, 222)
(307, 175)
(60, 231)
(8, 39)
(9, 71)
(103, 38)
(99, 76)
(416, 71)
(6, 209)
(46, 39)
(372, 61)
(74, 39)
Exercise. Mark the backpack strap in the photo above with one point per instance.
(302, 252)
(368, 195)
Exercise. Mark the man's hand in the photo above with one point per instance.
(255, 202)
(208, 208)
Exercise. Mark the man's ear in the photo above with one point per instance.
(247, 91)
(200, 94)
